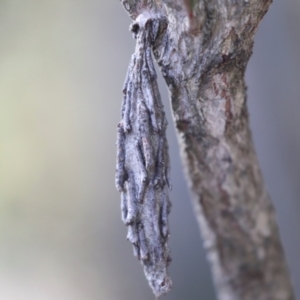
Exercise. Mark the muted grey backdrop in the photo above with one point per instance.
(62, 66)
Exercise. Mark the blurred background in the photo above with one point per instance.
(62, 66)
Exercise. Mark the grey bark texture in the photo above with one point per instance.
(203, 57)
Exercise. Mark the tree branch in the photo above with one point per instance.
(204, 67)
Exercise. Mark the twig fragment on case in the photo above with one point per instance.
(142, 172)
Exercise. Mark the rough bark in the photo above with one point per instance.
(203, 61)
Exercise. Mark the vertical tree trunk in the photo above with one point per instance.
(203, 57)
